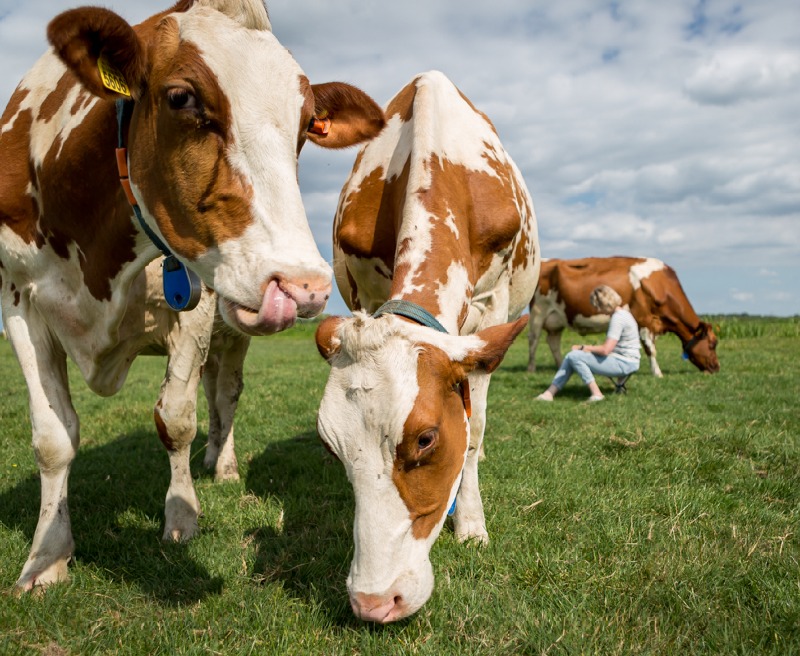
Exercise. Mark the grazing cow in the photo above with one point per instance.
(219, 112)
(648, 286)
(435, 217)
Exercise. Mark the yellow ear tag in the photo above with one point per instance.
(112, 78)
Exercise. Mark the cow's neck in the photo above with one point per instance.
(681, 319)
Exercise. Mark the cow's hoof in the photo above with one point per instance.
(226, 470)
(227, 475)
(35, 582)
(210, 461)
(475, 534)
(180, 534)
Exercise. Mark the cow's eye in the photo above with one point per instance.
(180, 98)
(426, 440)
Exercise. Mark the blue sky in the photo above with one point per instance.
(661, 129)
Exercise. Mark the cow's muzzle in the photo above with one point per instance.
(282, 303)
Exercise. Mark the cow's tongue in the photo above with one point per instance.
(278, 310)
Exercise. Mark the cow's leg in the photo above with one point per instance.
(175, 415)
(535, 324)
(468, 520)
(55, 443)
(554, 342)
(223, 381)
(649, 344)
(210, 374)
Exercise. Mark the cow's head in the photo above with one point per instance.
(221, 113)
(394, 414)
(701, 349)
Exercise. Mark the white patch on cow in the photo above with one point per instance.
(452, 293)
(39, 82)
(450, 222)
(595, 323)
(43, 79)
(265, 120)
(451, 117)
(642, 270)
(393, 145)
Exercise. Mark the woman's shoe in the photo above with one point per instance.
(595, 398)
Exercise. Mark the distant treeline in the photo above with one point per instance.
(745, 325)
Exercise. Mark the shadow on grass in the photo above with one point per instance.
(116, 501)
(311, 555)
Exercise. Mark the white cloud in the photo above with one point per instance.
(736, 75)
(741, 296)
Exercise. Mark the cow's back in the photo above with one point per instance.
(436, 211)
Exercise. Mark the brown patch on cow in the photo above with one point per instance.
(14, 104)
(55, 99)
(18, 211)
(425, 477)
(402, 104)
(161, 429)
(368, 224)
(177, 159)
(97, 218)
(81, 102)
(485, 214)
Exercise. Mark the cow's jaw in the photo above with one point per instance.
(391, 575)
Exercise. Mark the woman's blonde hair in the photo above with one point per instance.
(605, 299)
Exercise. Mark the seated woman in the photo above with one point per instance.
(617, 356)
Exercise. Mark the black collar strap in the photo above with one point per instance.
(124, 111)
(411, 311)
(182, 287)
(697, 335)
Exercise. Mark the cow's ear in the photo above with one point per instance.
(101, 50)
(343, 116)
(328, 343)
(496, 342)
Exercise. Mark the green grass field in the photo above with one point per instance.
(661, 522)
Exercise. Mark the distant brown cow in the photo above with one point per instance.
(648, 286)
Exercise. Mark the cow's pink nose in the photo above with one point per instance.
(310, 294)
(378, 608)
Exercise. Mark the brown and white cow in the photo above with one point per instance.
(221, 112)
(648, 286)
(436, 217)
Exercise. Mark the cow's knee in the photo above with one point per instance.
(176, 424)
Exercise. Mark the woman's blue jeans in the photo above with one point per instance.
(586, 365)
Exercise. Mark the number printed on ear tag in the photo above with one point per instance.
(182, 287)
(112, 78)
